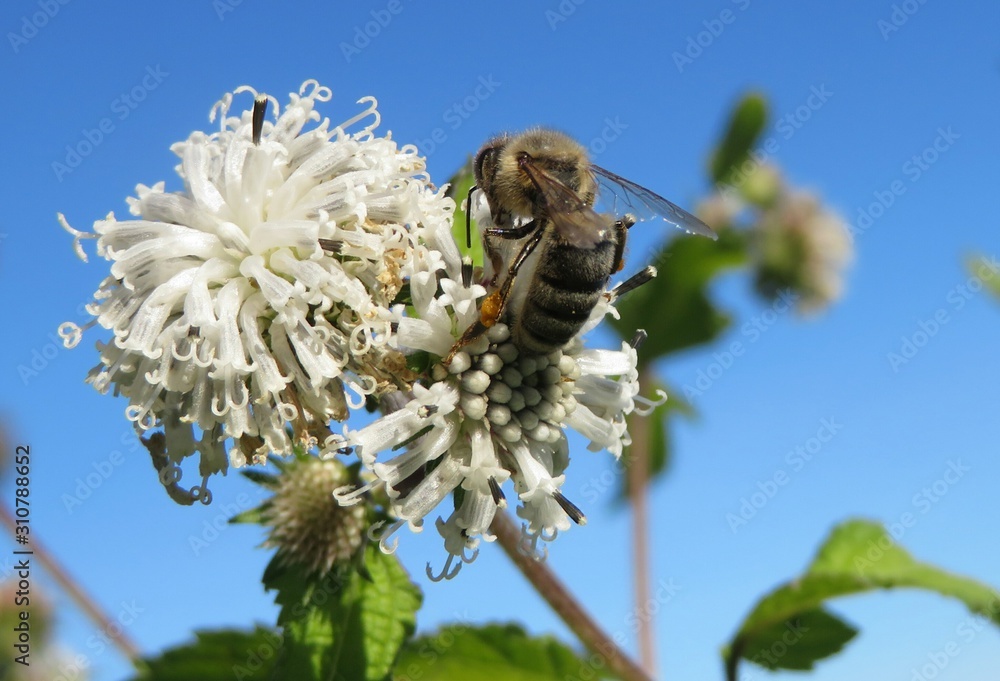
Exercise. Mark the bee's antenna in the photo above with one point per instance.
(259, 108)
(468, 217)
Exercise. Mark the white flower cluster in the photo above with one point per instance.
(800, 245)
(797, 245)
(493, 413)
(300, 274)
(226, 311)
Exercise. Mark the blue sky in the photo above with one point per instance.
(132, 78)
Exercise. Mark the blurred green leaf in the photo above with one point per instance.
(745, 125)
(858, 556)
(487, 653)
(458, 189)
(269, 480)
(798, 642)
(251, 516)
(674, 308)
(345, 626)
(658, 422)
(221, 655)
(987, 271)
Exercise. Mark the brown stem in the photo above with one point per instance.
(638, 477)
(564, 604)
(63, 578)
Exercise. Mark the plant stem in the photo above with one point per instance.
(75, 591)
(638, 478)
(564, 604)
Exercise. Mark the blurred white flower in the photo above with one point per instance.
(800, 246)
(247, 303)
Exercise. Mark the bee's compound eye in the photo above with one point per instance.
(485, 163)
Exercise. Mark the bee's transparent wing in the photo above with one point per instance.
(572, 217)
(625, 196)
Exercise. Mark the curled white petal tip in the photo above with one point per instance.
(447, 571)
(648, 405)
(78, 236)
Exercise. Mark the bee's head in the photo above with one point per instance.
(500, 168)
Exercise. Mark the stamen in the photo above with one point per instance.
(574, 513)
(331, 246)
(413, 438)
(467, 272)
(498, 496)
(641, 277)
(427, 410)
(259, 109)
(638, 339)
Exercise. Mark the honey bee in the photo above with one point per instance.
(541, 190)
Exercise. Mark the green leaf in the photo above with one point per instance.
(798, 642)
(674, 307)
(458, 189)
(859, 556)
(661, 444)
(345, 626)
(745, 125)
(490, 652)
(222, 655)
(252, 516)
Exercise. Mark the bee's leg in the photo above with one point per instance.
(515, 233)
(510, 233)
(621, 228)
(639, 278)
(494, 304)
(491, 251)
